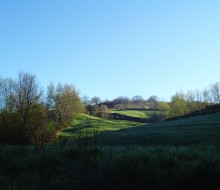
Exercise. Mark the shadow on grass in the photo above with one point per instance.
(165, 133)
(117, 116)
(89, 167)
(91, 126)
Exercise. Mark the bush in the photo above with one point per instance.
(8, 127)
(45, 134)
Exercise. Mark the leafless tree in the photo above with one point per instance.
(199, 99)
(215, 91)
(6, 94)
(191, 101)
(95, 100)
(26, 98)
(207, 96)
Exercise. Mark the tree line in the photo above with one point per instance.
(27, 115)
(123, 102)
(97, 107)
(192, 101)
(179, 105)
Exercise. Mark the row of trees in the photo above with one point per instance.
(96, 107)
(27, 115)
(180, 104)
(123, 102)
(194, 100)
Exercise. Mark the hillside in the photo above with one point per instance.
(135, 115)
(132, 113)
(86, 125)
(196, 130)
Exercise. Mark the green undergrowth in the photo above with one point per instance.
(116, 155)
(88, 166)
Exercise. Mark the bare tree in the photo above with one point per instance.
(138, 102)
(153, 101)
(191, 101)
(207, 96)
(215, 91)
(26, 98)
(95, 100)
(86, 100)
(6, 94)
(199, 99)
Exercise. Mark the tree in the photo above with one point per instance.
(138, 102)
(63, 103)
(178, 105)
(86, 100)
(199, 100)
(27, 99)
(121, 102)
(95, 100)
(26, 118)
(103, 111)
(191, 101)
(207, 96)
(153, 101)
(137, 98)
(163, 108)
(6, 93)
(22, 112)
(215, 91)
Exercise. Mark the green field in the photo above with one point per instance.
(134, 113)
(200, 130)
(86, 125)
(193, 131)
(86, 167)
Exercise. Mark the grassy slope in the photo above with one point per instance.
(133, 113)
(199, 130)
(87, 125)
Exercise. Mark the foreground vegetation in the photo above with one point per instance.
(180, 154)
(86, 166)
(97, 151)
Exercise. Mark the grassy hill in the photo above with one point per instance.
(193, 131)
(133, 113)
(197, 130)
(86, 125)
(141, 115)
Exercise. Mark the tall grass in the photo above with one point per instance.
(88, 166)
(84, 164)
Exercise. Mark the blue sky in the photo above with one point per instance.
(111, 48)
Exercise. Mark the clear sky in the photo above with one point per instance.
(111, 48)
